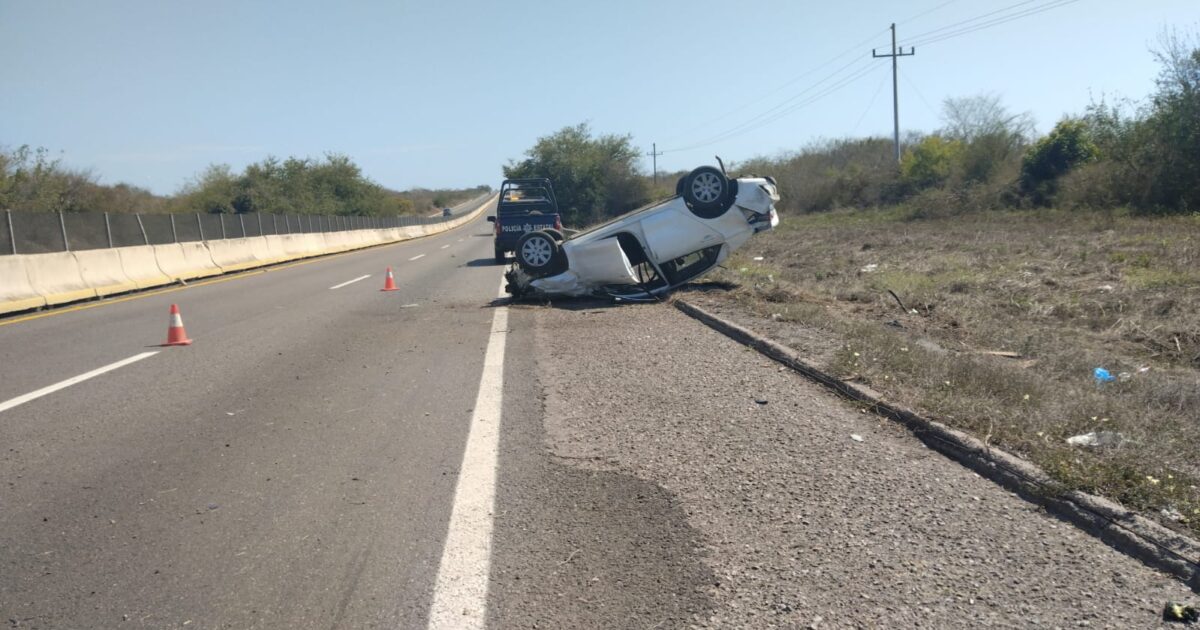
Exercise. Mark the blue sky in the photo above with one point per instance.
(441, 94)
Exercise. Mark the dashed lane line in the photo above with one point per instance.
(418, 256)
(338, 286)
(349, 282)
(74, 380)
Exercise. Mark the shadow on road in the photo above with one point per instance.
(597, 303)
(484, 262)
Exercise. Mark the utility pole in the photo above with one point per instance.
(895, 88)
(654, 153)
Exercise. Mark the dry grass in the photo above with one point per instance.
(1062, 293)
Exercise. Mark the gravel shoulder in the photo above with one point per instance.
(798, 522)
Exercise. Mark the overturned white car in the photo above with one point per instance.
(653, 249)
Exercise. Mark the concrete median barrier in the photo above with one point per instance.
(293, 245)
(314, 245)
(234, 254)
(261, 250)
(337, 242)
(275, 248)
(200, 260)
(16, 292)
(185, 261)
(56, 277)
(141, 267)
(101, 270)
(36, 280)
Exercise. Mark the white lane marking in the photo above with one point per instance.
(461, 591)
(444, 246)
(20, 400)
(416, 257)
(338, 286)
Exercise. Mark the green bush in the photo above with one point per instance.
(334, 185)
(930, 162)
(32, 181)
(1067, 147)
(851, 172)
(993, 138)
(593, 178)
(1153, 152)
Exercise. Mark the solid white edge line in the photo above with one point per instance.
(20, 400)
(416, 257)
(338, 286)
(461, 591)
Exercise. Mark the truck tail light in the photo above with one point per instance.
(558, 223)
(497, 224)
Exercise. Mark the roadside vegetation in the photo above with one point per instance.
(986, 279)
(426, 201)
(1140, 156)
(31, 180)
(594, 177)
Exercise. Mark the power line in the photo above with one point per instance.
(924, 13)
(870, 104)
(855, 76)
(794, 102)
(994, 22)
(769, 113)
(792, 98)
(786, 84)
(972, 19)
(916, 89)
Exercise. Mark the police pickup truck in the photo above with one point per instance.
(525, 205)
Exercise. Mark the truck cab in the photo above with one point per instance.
(525, 205)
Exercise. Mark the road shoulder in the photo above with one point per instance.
(801, 522)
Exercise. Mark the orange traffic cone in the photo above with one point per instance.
(176, 336)
(389, 284)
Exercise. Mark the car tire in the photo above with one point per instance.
(558, 236)
(679, 185)
(539, 255)
(707, 192)
(499, 256)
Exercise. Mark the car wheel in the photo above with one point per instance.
(558, 236)
(539, 254)
(499, 255)
(679, 185)
(707, 192)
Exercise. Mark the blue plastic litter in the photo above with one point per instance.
(1102, 376)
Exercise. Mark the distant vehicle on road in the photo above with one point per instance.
(447, 212)
(653, 249)
(525, 205)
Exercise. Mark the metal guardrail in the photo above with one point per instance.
(43, 232)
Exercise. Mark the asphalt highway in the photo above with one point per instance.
(327, 455)
(294, 468)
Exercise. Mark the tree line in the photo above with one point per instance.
(32, 180)
(1114, 154)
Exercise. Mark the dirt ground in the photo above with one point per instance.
(809, 512)
(994, 323)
